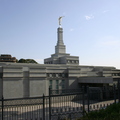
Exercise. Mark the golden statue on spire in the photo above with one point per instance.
(60, 19)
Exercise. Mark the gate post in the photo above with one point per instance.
(43, 107)
(88, 98)
(2, 107)
(114, 91)
(49, 103)
(83, 97)
(118, 90)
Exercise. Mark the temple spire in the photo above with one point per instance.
(60, 56)
(60, 47)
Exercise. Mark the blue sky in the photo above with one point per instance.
(28, 29)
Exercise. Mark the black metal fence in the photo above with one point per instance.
(23, 108)
(59, 104)
(66, 104)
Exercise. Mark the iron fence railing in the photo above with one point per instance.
(59, 104)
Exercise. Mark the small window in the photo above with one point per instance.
(63, 84)
(56, 74)
(63, 75)
(50, 75)
(47, 74)
(50, 81)
(66, 75)
(57, 87)
(63, 81)
(57, 82)
(50, 84)
(53, 75)
(60, 75)
(76, 61)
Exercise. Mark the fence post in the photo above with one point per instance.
(118, 90)
(70, 116)
(2, 107)
(43, 107)
(88, 98)
(114, 91)
(83, 97)
(49, 103)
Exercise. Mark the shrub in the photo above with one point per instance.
(112, 112)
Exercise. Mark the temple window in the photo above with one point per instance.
(50, 83)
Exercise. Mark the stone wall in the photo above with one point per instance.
(31, 80)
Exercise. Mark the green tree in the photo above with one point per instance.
(26, 61)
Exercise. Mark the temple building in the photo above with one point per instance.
(60, 71)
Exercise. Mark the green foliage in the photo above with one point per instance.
(16, 60)
(112, 112)
(26, 61)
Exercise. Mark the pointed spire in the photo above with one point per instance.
(60, 47)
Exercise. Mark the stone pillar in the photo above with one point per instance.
(26, 89)
(1, 82)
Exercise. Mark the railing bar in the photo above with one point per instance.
(7, 113)
(12, 99)
(31, 112)
(12, 113)
(21, 104)
(66, 103)
(16, 113)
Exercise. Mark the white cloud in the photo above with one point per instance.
(88, 17)
(71, 29)
(105, 11)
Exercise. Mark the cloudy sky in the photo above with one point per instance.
(28, 29)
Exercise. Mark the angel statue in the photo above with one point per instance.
(60, 19)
